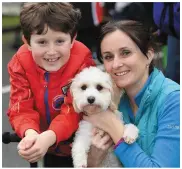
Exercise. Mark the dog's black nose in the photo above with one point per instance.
(91, 99)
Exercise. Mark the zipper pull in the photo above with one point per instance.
(46, 76)
(45, 84)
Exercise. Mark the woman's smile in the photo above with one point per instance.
(122, 73)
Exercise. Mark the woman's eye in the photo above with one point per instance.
(125, 53)
(107, 57)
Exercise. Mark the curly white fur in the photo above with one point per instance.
(94, 88)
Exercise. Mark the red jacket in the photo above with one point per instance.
(41, 100)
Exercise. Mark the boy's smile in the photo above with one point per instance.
(51, 50)
(52, 60)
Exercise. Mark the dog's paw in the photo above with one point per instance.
(130, 133)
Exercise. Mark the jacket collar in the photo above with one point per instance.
(149, 93)
(144, 97)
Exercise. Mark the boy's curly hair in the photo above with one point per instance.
(58, 16)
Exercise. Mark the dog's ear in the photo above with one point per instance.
(112, 106)
(74, 103)
(75, 107)
(116, 94)
(71, 92)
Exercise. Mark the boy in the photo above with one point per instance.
(40, 109)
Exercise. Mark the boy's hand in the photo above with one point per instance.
(28, 140)
(40, 146)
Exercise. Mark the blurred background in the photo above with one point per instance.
(167, 60)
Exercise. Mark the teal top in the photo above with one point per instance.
(158, 122)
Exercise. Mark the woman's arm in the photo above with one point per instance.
(109, 122)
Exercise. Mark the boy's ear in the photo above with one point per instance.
(26, 43)
(73, 40)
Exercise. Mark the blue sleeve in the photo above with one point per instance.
(166, 152)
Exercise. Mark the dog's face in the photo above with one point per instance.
(91, 90)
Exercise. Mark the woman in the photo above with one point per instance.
(150, 101)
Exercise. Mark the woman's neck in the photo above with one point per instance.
(134, 106)
(133, 90)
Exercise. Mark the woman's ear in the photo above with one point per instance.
(150, 55)
(73, 40)
(26, 43)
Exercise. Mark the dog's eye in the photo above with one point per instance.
(99, 87)
(84, 87)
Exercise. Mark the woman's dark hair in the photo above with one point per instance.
(140, 33)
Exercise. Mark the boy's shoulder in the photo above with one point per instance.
(23, 50)
(21, 57)
(79, 48)
(80, 57)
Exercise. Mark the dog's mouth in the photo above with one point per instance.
(91, 109)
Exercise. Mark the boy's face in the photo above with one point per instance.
(51, 50)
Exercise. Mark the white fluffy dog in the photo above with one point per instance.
(92, 91)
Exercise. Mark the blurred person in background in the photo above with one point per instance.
(89, 27)
(167, 18)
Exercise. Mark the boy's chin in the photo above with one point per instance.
(51, 69)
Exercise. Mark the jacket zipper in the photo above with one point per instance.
(46, 103)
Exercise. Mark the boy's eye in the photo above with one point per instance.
(42, 42)
(60, 41)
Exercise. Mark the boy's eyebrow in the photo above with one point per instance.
(40, 38)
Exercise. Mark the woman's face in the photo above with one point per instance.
(124, 61)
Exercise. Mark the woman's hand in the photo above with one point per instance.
(101, 142)
(101, 120)
(39, 146)
(108, 122)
